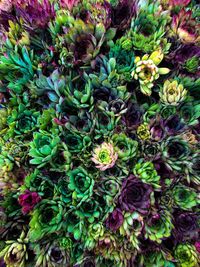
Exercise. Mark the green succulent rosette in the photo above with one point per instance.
(176, 152)
(185, 198)
(124, 58)
(47, 218)
(81, 184)
(147, 173)
(125, 147)
(186, 255)
(77, 143)
(43, 148)
(22, 121)
(159, 227)
(89, 211)
(95, 232)
(39, 182)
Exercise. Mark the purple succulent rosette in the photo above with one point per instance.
(135, 195)
(99, 133)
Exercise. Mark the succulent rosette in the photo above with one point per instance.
(28, 200)
(186, 59)
(80, 183)
(135, 195)
(159, 226)
(147, 173)
(186, 255)
(185, 198)
(35, 13)
(126, 148)
(104, 156)
(43, 148)
(172, 93)
(185, 225)
(176, 151)
(56, 253)
(46, 219)
(99, 133)
(115, 220)
(146, 71)
(22, 121)
(185, 27)
(16, 251)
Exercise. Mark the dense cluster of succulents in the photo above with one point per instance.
(99, 133)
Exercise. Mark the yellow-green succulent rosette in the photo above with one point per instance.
(147, 71)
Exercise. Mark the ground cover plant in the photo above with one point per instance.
(99, 133)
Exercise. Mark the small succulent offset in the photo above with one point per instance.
(99, 133)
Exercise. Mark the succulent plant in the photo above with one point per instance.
(81, 184)
(159, 226)
(193, 168)
(125, 147)
(53, 254)
(79, 94)
(185, 27)
(99, 152)
(108, 77)
(35, 13)
(89, 211)
(143, 131)
(15, 253)
(172, 93)
(147, 173)
(22, 121)
(17, 64)
(76, 143)
(186, 255)
(146, 71)
(95, 232)
(184, 197)
(135, 195)
(132, 227)
(148, 29)
(124, 60)
(46, 219)
(176, 152)
(43, 148)
(28, 200)
(104, 156)
(84, 40)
